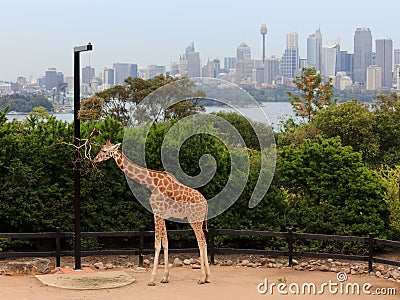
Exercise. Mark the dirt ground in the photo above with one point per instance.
(227, 283)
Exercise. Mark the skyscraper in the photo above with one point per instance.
(314, 50)
(121, 72)
(290, 59)
(87, 74)
(243, 52)
(330, 59)
(384, 59)
(229, 63)
(244, 64)
(362, 54)
(396, 57)
(374, 78)
(107, 77)
(193, 64)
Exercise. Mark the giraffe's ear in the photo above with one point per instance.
(108, 142)
(115, 147)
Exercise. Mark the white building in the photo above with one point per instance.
(374, 78)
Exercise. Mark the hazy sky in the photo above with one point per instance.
(38, 34)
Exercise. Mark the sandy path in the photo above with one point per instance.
(228, 283)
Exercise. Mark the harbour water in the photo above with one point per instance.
(276, 112)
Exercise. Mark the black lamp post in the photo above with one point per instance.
(77, 136)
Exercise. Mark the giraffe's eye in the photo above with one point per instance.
(104, 151)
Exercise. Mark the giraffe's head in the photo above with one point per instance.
(107, 151)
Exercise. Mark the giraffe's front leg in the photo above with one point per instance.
(166, 265)
(157, 248)
(159, 229)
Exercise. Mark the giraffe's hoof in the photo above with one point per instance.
(151, 284)
(201, 282)
(164, 280)
(208, 281)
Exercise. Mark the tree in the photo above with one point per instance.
(314, 94)
(355, 124)
(122, 101)
(329, 190)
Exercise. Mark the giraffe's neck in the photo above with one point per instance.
(133, 171)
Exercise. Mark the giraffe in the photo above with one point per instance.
(169, 199)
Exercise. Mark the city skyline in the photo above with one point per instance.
(41, 34)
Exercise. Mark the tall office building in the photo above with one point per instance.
(87, 74)
(290, 59)
(314, 50)
(53, 79)
(107, 76)
(346, 63)
(374, 78)
(362, 54)
(229, 63)
(384, 59)
(189, 62)
(271, 70)
(154, 70)
(193, 64)
(330, 59)
(133, 70)
(121, 72)
(243, 52)
(396, 56)
(244, 64)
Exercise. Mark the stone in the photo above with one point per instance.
(270, 265)
(353, 272)
(99, 265)
(109, 266)
(177, 262)
(295, 262)
(395, 274)
(229, 262)
(334, 270)
(35, 266)
(378, 273)
(186, 262)
(298, 268)
(324, 268)
(192, 261)
(380, 268)
(196, 266)
(303, 264)
(244, 262)
(146, 262)
(330, 260)
(271, 260)
(347, 270)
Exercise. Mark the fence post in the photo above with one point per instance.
(141, 245)
(290, 246)
(212, 245)
(58, 247)
(370, 251)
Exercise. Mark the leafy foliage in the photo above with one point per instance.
(314, 94)
(25, 103)
(329, 190)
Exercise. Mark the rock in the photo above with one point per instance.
(311, 269)
(186, 262)
(380, 268)
(99, 265)
(395, 274)
(36, 266)
(252, 265)
(347, 270)
(334, 270)
(229, 262)
(378, 273)
(192, 261)
(295, 262)
(109, 266)
(129, 264)
(298, 268)
(353, 272)
(244, 262)
(324, 268)
(303, 264)
(330, 260)
(177, 262)
(196, 266)
(270, 265)
(146, 262)
(271, 260)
